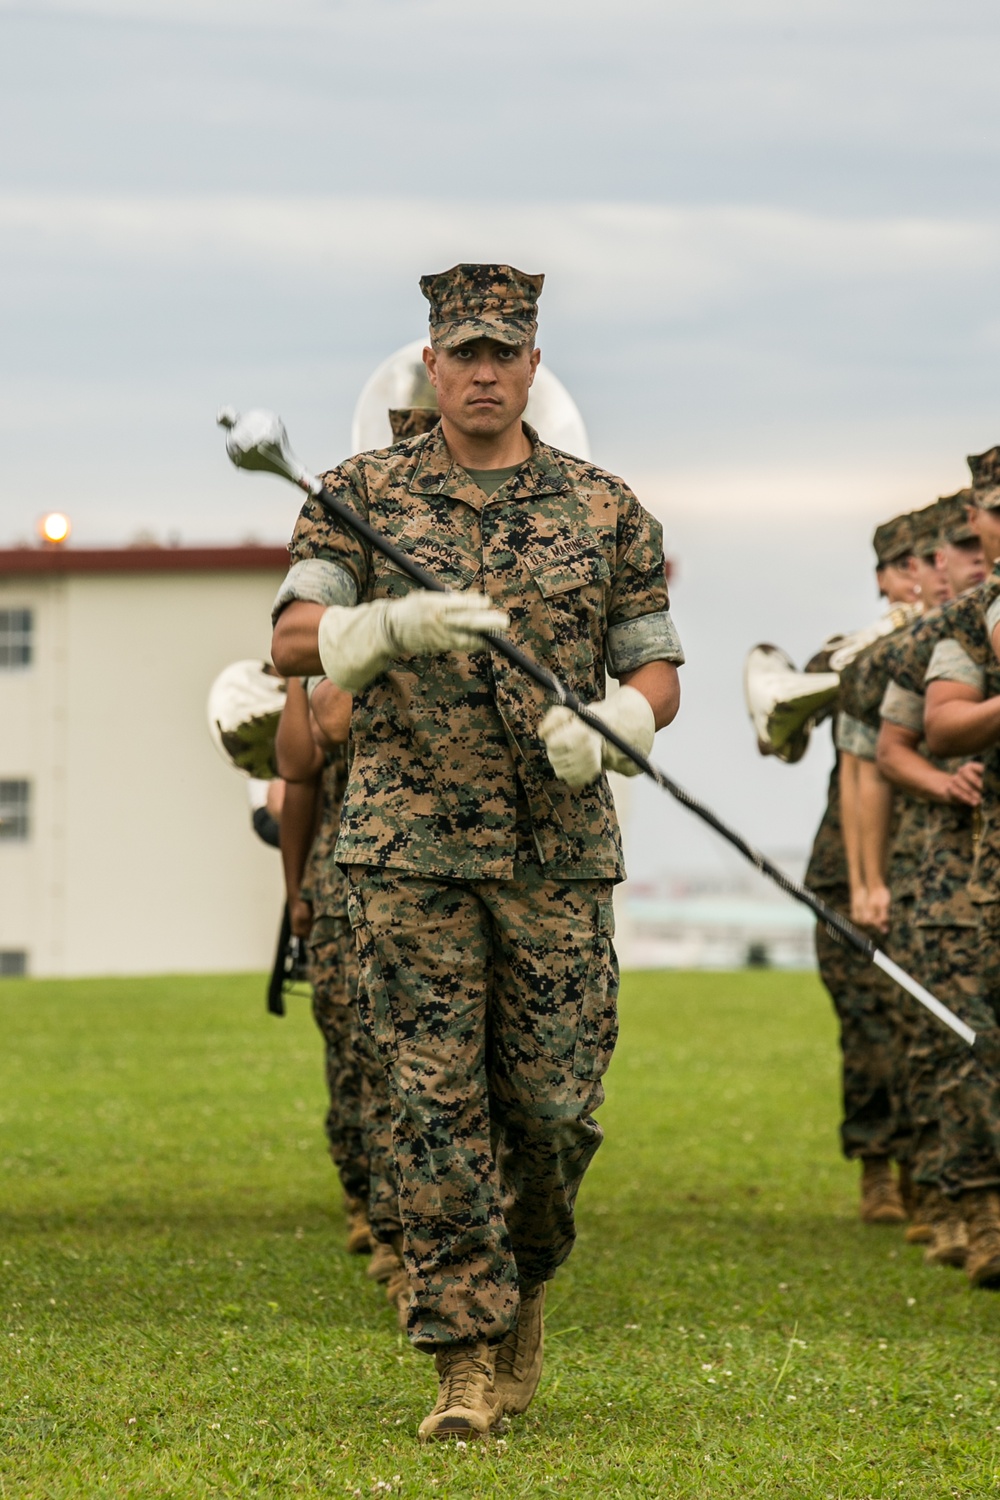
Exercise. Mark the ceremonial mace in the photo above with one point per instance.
(258, 440)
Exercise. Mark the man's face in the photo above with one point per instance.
(986, 525)
(964, 564)
(482, 387)
(898, 581)
(931, 581)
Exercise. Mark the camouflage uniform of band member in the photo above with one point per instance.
(969, 1092)
(943, 924)
(872, 1130)
(333, 972)
(480, 885)
(862, 685)
(970, 1123)
(357, 1119)
(863, 688)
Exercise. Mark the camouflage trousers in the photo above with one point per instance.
(358, 1130)
(957, 1106)
(492, 1004)
(904, 1014)
(874, 1122)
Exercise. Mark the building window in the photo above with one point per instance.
(13, 963)
(16, 629)
(14, 799)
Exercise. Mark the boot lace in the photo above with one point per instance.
(465, 1372)
(513, 1346)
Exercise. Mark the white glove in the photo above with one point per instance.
(358, 642)
(578, 753)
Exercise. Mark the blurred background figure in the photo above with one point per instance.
(266, 800)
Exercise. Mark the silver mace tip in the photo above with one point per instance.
(258, 440)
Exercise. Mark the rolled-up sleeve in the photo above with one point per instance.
(317, 581)
(632, 643)
(950, 662)
(640, 628)
(855, 737)
(320, 538)
(900, 706)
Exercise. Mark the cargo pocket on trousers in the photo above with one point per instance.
(598, 1032)
(373, 996)
(445, 1188)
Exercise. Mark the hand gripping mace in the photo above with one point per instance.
(258, 440)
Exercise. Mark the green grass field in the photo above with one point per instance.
(179, 1318)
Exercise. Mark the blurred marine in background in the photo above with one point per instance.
(873, 1129)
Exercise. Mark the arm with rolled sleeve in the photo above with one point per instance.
(642, 649)
(329, 567)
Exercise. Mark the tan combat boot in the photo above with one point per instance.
(926, 1208)
(519, 1355)
(949, 1241)
(359, 1236)
(467, 1405)
(880, 1199)
(383, 1262)
(981, 1211)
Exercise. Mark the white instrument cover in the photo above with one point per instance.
(782, 701)
(244, 706)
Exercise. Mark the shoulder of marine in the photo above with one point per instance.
(863, 685)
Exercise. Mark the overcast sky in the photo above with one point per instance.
(769, 230)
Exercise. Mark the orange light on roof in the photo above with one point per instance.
(54, 528)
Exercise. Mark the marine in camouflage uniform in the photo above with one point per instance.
(871, 1130)
(480, 884)
(357, 1120)
(943, 919)
(972, 1118)
(863, 686)
(970, 1094)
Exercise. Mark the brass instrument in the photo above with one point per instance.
(244, 706)
(785, 704)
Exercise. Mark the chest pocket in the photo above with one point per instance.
(574, 603)
(390, 582)
(576, 573)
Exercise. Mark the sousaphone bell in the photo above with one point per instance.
(784, 703)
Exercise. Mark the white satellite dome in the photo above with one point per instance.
(401, 381)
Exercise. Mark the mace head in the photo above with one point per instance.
(258, 440)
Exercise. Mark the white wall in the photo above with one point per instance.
(142, 859)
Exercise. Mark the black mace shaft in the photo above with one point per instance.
(258, 440)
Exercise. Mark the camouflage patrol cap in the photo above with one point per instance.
(411, 421)
(954, 517)
(985, 471)
(482, 302)
(925, 527)
(893, 541)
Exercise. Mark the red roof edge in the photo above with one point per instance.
(250, 559)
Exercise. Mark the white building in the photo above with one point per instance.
(125, 841)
